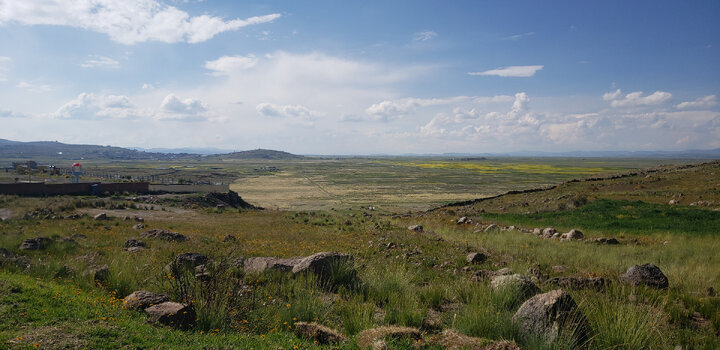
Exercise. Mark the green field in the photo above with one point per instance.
(402, 278)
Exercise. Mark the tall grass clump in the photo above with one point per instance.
(622, 325)
(356, 315)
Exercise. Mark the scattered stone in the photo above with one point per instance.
(476, 258)
(416, 228)
(390, 245)
(536, 231)
(229, 238)
(322, 264)
(135, 249)
(142, 299)
(603, 240)
(482, 275)
(523, 283)
(37, 243)
(573, 234)
(556, 235)
(186, 261)
(138, 219)
(101, 216)
(673, 202)
(375, 337)
(548, 232)
(139, 226)
(172, 314)
(262, 264)
(130, 243)
(9, 258)
(321, 334)
(100, 274)
(577, 282)
(492, 227)
(464, 220)
(505, 271)
(78, 236)
(164, 235)
(452, 339)
(551, 314)
(648, 274)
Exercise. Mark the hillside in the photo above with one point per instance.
(62, 151)
(260, 154)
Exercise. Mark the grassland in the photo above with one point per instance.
(405, 277)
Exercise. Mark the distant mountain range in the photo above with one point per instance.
(51, 150)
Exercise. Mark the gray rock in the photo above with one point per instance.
(492, 227)
(603, 240)
(9, 258)
(476, 258)
(464, 220)
(139, 226)
(164, 235)
(573, 235)
(142, 299)
(100, 274)
(262, 264)
(522, 283)
(553, 314)
(579, 282)
(548, 232)
(322, 264)
(505, 271)
(37, 243)
(186, 261)
(101, 216)
(536, 231)
(135, 243)
(416, 228)
(648, 275)
(135, 249)
(172, 314)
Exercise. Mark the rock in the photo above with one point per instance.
(135, 249)
(135, 243)
(100, 274)
(522, 283)
(482, 275)
(229, 238)
(138, 219)
(536, 231)
(550, 315)
(37, 243)
(548, 232)
(164, 235)
(573, 234)
(492, 227)
(262, 264)
(321, 334)
(390, 245)
(375, 337)
(476, 258)
(648, 274)
(452, 339)
(141, 299)
(464, 220)
(186, 261)
(673, 202)
(139, 226)
(322, 264)
(9, 258)
(416, 228)
(101, 216)
(578, 282)
(505, 271)
(556, 235)
(603, 240)
(172, 314)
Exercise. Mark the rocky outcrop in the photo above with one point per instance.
(648, 275)
(172, 314)
(164, 235)
(37, 243)
(551, 315)
(321, 334)
(142, 299)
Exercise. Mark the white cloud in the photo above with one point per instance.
(91, 106)
(424, 36)
(4, 62)
(10, 114)
(387, 110)
(227, 65)
(175, 108)
(636, 98)
(287, 111)
(127, 22)
(97, 61)
(702, 102)
(511, 71)
(148, 86)
(34, 87)
(520, 36)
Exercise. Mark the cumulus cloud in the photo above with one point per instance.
(4, 62)
(97, 61)
(89, 106)
(390, 109)
(636, 98)
(287, 111)
(175, 108)
(227, 65)
(424, 36)
(511, 71)
(702, 102)
(127, 22)
(34, 87)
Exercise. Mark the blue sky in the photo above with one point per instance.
(330, 77)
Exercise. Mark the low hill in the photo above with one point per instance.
(261, 154)
(50, 150)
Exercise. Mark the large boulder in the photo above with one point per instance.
(375, 337)
(517, 281)
(164, 235)
(268, 263)
(551, 315)
(142, 299)
(648, 275)
(37, 243)
(172, 314)
(322, 264)
(319, 333)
